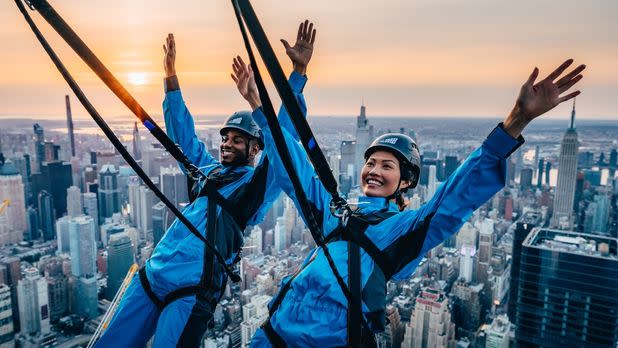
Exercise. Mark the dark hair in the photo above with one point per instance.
(401, 201)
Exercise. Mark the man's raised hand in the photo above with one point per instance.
(169, 56)
(301, 52)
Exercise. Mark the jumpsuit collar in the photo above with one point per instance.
(369, 204)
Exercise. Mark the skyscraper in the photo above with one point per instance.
(47, 215)
(86, 298)
(523, 227)
(119, 259)
(159, 212)
(12, 189)
(58, 294)
(364, 136)
(70, 125)
(567, 174)
(90, 206)
(568, 290)
(347, 165)
(74, 202)
(147, 200)
(174, 185)
(39, 146)
(450, 165)
(280, 234)
(33, 302)
(55, 178)
(63, 238)
(525, 178)
(109, 193)
(539, 176)
(6, 317)
(430, 324)
(137, 151)
(83, 246)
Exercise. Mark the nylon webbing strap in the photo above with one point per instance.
(284, 154)
(315, 154)
(355, 311)
(76, 43)
(114, 140)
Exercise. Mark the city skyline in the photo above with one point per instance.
(413, 56)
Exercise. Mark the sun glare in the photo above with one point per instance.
(137, 78)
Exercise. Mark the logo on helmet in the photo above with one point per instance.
(391, 141)
(236, 120)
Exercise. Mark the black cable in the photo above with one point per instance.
(116, 142)
(75, 42)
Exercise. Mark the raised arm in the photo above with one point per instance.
(481, 175)
(178, 120)
(300, 55)
(317, 195)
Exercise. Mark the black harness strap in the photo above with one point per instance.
(355, 310)
(275, 340)
(148, 289)
(54, 19)
(169, 298)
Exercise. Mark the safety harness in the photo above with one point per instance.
(63, 29)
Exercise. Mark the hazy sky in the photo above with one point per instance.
(402, 57)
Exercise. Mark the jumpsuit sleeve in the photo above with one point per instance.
(180, 127)
(297, 83)
(471, 185)
(317, 195)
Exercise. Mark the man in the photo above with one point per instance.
(177, 291)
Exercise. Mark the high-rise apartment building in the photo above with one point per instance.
(430, 324)
(33, 303)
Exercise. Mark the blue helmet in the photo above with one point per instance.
(404, 148)
(243, 122)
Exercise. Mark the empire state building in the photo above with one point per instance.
(567, 176)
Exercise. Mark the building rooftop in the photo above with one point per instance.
(573, 243)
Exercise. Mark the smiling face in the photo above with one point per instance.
(234, 148)
(381, 175)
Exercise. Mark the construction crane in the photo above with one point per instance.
(107, 318)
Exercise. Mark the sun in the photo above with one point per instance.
(137, 78)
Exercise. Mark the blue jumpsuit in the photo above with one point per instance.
(313, 312)
(179, 258)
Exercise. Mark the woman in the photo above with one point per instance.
(312, 310)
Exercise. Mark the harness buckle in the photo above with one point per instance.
(339, 207)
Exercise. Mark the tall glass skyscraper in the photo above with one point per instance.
(109, 193)
(568, 290)
(119, 260)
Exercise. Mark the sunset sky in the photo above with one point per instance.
(402, 57)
